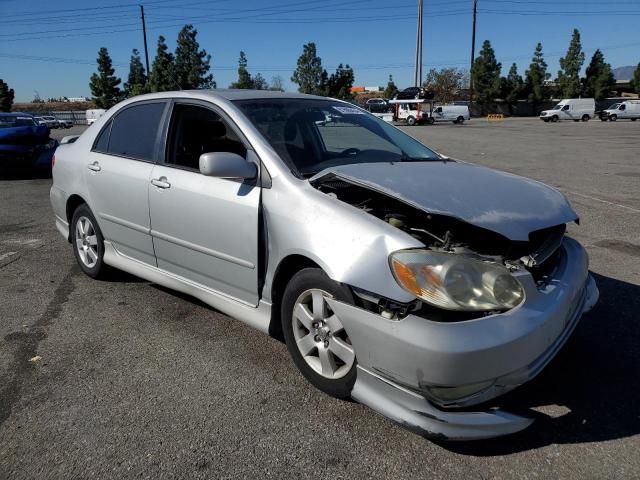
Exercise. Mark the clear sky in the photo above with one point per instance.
(50, 47)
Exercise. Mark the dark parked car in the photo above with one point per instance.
(25, 146)
(413, 93)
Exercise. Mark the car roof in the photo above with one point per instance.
(232, 94)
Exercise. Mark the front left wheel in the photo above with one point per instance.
(315, 337)
(88, 242)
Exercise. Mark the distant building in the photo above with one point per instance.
(76, 99)
(357, 89)
(373, 89)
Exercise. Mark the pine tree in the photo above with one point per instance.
(162, 70)
(535, 77)
(635, 81)
(513, 85)
(391, 89)
(6, 96)
(339, 84)
(486, 75)
(104, 84)
(192, 65)
(309, 73)
(571, 64)
(244, 77)
(599, 80)
(137, 80)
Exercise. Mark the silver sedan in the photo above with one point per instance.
(417, 285)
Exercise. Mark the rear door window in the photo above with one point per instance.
(134, 131)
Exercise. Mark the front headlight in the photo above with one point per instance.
(455, 282)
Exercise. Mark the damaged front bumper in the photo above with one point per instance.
(399, 362)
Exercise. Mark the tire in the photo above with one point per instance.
(613, 117)
(554, 119)
(586, 118)
(88, 242)
(603, 118)
(411, 121)
(321, 366)
(459, 120)
(576, 121)
(546, 120)
(633, 119)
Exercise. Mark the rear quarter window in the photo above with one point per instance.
(134, 131)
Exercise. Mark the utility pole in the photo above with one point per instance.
(144, 34)
(417, 78)
(473, 49)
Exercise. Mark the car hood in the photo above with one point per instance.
(507, 204)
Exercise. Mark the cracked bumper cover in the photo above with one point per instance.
(399, 360)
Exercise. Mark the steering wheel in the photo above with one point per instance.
(350, 152)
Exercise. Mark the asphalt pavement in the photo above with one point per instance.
(125, 379)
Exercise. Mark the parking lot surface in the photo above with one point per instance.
(132, 380)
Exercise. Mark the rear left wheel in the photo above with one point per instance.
(459, 120)
(315, 337)
(88, 242)
(586, 118)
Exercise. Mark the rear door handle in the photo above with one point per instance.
(161, 182)
(94, 167)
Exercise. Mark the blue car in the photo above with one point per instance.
(25, 146)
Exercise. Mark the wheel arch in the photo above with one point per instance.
(285, 271)
(73, 202)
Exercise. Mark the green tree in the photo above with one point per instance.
(512, 86)
(258, 82)
(339, 84)
(104, 84)
(486, 75)
(137, 80)
(192, 65)
(570, 66)
(535, 77)
(309, 73)
(162, 77)
(6, 96)
(635, 81)
(444, 83)
(244, 77)
(599, 80)
(391, 89)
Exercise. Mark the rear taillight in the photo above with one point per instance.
(53, 161)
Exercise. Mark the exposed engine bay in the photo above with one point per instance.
(442, 233)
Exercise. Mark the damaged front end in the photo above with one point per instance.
(494, 300)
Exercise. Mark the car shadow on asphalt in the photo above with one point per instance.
(593, 382)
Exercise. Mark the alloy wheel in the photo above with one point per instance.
(320, 336)
(86, 242)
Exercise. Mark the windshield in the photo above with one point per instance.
(12, 121)
(614, 106)
(311, 135)
(558, 107)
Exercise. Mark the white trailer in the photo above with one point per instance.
(413, 111)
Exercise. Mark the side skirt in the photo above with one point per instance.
(257, 317)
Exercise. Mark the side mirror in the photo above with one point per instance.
(226, 165)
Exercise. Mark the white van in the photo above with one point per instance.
(93, 115)
(575, 109)
(451, 113)
(629, 109)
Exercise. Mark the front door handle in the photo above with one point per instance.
(94, 167)
(161, 182)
